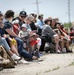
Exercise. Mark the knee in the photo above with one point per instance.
(3, 39)
(20, 41)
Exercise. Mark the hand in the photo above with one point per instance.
(34, 31)
(18, 29)
(5, 35)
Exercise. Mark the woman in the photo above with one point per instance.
(4, 42)
(64, 38)
(48, 31)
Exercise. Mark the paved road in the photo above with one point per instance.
(64, 71)
(53, 64)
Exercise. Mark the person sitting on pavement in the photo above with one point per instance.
(8, 28)
(48, 31)
(18, 21)
(3, 40)
(64, 39)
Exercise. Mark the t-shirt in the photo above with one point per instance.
(7, 25)
(23, 34)
(33, 27)
(47, 31)
(2, 31)
(40, 23)
(35, 42)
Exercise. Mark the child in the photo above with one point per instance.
(35, 43)
(24, 35)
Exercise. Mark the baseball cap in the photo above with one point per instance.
(23, 13)
(24, 25)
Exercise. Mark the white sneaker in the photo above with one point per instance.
(58, 51)
(64, 50)
(22, 61)
(15, 57)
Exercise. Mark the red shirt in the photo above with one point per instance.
(34, 42)
(15, 29)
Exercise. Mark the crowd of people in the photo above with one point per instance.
(25, 37)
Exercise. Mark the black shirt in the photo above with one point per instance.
(33, 27)
(2, 32)
(7, 25)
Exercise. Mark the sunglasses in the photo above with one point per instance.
(23, 16)
(13, 16)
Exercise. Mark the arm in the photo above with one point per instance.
(10, 32)
(16, 27)
(51, 31)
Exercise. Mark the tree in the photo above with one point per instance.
(67, 25)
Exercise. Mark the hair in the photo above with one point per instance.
(34, 15)
(58, 23)
(47, 20)
(52, 22)
(1, 14)
(9, 14)
(71, 28)
(30, 17)
(40, 16)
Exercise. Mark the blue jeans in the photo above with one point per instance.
(4, 43)
(21, 50)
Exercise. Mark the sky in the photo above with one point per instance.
(49, 8)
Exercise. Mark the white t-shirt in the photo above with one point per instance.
(23, 34)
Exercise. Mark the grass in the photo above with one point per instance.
(47, 71)
(55, 68)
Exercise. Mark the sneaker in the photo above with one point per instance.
(22, 61)
(38, 60)
(58, 51)
(64, 50)
(34, 58)
(69, 51)
(15, 57)
(40, 54)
